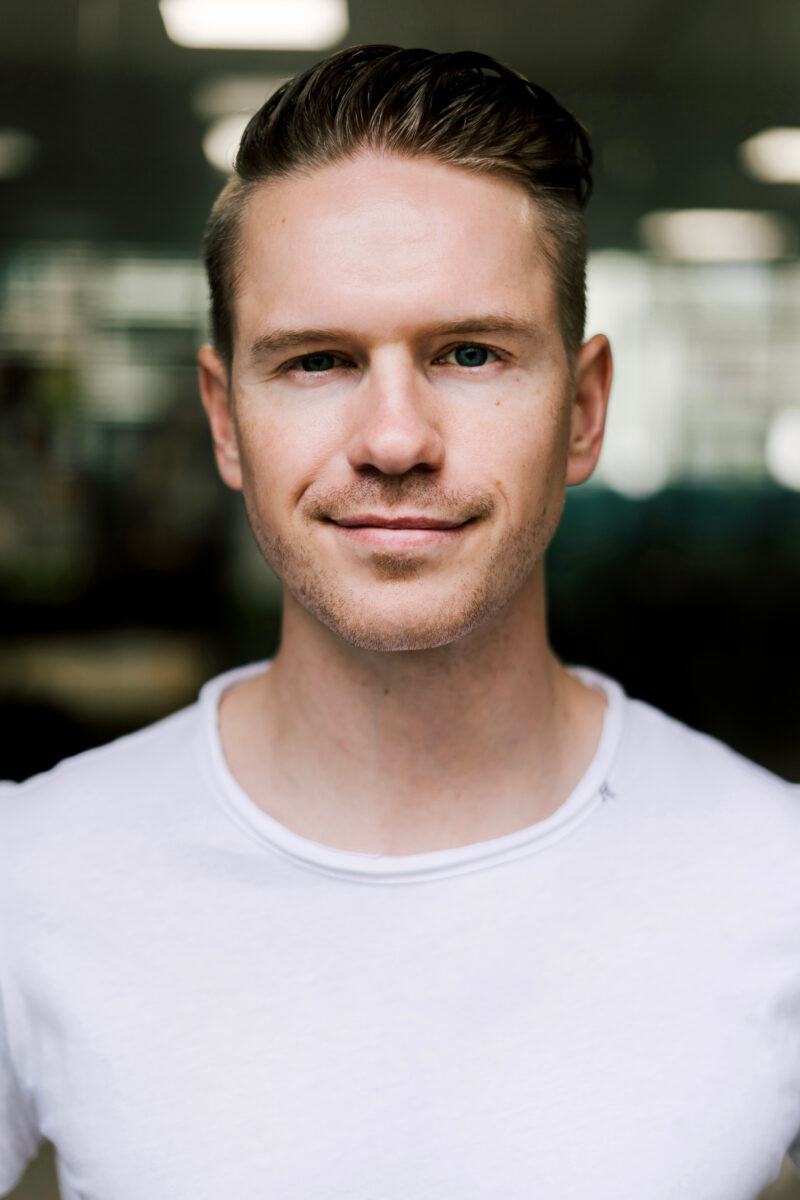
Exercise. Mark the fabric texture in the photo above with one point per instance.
(197, 1002)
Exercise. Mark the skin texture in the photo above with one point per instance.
(414, 703)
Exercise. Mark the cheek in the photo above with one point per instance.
(522, 447)
(281, 455)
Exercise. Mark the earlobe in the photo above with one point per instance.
(213, 379)
(589, 407)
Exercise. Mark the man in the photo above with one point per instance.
(415, 910)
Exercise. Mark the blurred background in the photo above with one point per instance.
(128, 575)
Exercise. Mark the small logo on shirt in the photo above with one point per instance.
(606, 792)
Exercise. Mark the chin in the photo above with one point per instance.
(385, 641)
(413, 627)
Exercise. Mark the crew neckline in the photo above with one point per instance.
(358, 866)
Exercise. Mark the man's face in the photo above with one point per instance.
(398, 362)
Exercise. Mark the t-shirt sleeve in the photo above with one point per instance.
(19, 1136)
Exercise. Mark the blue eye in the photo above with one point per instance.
(471, 356)
(317, 362)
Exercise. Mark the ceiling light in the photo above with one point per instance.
(222, 141)
(634, 463)
(782, 450)
(773, 155)
(255, 24)
(228, 94)
(17, 152)
(717, 235)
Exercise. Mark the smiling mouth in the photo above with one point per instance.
(410, 522)
(400, 533)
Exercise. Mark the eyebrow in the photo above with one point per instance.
(277, 341)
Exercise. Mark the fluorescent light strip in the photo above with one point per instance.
(255, 24)
(224, 95)
(773, 155)
(717, 235)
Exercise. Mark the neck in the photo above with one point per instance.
(407, 751)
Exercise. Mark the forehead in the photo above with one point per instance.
(381, 242)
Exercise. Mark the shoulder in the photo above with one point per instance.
(656, 739)
(78, 808)
(115, 764)
(695, 785)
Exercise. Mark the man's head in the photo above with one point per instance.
(400, 355)
(464, 109)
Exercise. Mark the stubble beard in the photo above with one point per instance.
(368, 627)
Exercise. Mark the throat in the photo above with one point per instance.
(393, 775)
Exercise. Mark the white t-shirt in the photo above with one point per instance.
(197, 1003)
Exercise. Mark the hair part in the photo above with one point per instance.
(463, 109)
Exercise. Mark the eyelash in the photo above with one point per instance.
(295, 363)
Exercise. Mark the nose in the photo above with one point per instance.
(397, 425)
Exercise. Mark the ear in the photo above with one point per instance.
(591, 388)
(213, 378)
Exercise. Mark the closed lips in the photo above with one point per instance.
(399, 522)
